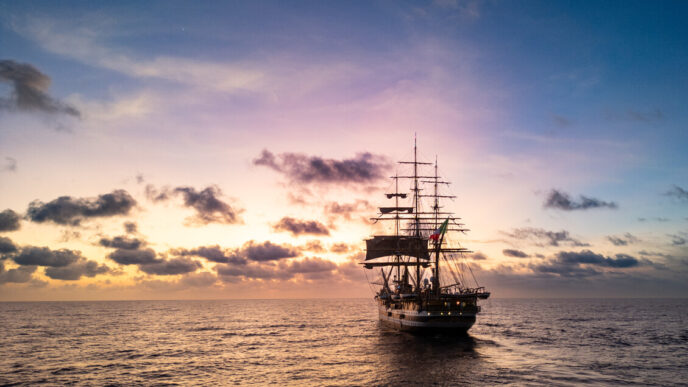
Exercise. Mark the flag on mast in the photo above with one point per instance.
(440, 231)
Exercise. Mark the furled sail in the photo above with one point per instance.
(391, 245)
(370, 265)
(387, 210)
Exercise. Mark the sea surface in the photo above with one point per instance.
(340, 342)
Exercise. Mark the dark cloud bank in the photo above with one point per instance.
(514, 253)
(269, 261)
(71, 211)
(249, 251)
(148, 261)
(63, 264)
(584, 263)
(544, 237)
(121, 242)
(562, 201)
(29, 90)
(9, 220)
(6, 247)
(677, 240)
(301, 168)
(22, 274)
(212, 254)
(678, 193)
(309, 268)
(623, 240)
(207, 203)
(298, 227)
(132, 251)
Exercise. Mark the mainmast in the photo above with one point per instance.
(415, 199)
(438, 243)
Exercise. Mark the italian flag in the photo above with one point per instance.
(440, 231)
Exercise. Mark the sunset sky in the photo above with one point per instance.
(187, 150)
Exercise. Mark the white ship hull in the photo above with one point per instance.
(425, 321)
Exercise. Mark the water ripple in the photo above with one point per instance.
(339, 342)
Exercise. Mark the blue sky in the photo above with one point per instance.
(517, 99)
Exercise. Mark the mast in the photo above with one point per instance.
(415, 199)
(396, 220)
(438, 244)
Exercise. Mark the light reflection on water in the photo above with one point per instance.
(340, 342)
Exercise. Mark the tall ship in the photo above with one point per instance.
(420, 272)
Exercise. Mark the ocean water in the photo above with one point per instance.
(340, 342)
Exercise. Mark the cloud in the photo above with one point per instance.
(10, 166)
(71, 211)
(22, 274)
(314, 246)
(562, 201)
(301, 168)
(134, 257)
(648, 116)
(157, 195)
(514, 253)
(209, 208)
(147, 260)
(122, 242)
(345, 210)
(564, 270)
(298, 227)
(310, 268)
(340, 248)
(584, 263)
(6, 247)
(561, 121)
(625, 240)
(656, 219)
(249, 251)
(266, 251)
(29, 87)
(74, 271)
(68, 235)
(678, 193)
(653, 254)
(254, 270)
(477, 256)
(551, 238)
(211, 253)
(171, 267)
(9, 220)
(677, 240)
(198, 280)
(261, 263)
(588, 257)
(43, 256)
(130, 227)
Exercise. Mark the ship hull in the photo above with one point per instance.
(426, 322)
